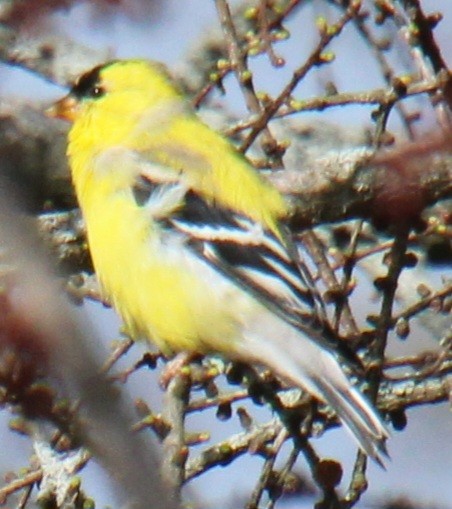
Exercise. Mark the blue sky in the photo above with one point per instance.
(422, 455)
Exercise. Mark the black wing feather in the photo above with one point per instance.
(236, 253)
(225, 240)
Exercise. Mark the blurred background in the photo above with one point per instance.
(181, 34)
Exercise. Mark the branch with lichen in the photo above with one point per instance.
(345, 189)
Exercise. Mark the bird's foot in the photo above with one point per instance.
(174, 367)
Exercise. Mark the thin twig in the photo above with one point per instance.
(238, 60)
(326, 273)
(18, 484)
(267, 470)
(380, 96)
(314, 59)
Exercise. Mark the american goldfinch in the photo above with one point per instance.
(186, 238)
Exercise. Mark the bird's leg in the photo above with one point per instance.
(174, 367)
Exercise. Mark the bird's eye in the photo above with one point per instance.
(89, 85)
(97, 91)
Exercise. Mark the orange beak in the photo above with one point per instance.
(66, 108)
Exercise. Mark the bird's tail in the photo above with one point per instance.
(358, 416)
(302, 361)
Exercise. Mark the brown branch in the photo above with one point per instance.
(317, 252)
(422, 304)
(423, 38)
(56, 58)
(380, 96)
(264, 34)
(313, 60)
(388, 73)
(416, 31)
(393, 395)
(349, 185)
(378, 347)
(19, 484)
(358, 482)
(397, 395)
(121, 349)
(267, 470)
(238, 59)
(221, 399)
(388, 287)
(174, 446)
(225, 452)
(283, 474)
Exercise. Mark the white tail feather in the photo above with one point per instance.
(301, 361)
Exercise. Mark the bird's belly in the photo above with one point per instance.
(162, 290)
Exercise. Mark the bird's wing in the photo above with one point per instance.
(253, 257)
(242, 250)
(245, 251)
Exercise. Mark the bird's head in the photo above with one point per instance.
(113, 97)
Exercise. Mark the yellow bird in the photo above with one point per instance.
(186, 238)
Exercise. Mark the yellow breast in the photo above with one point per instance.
(160, 289)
